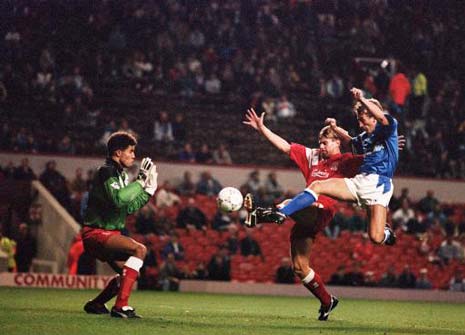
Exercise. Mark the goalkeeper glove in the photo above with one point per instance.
(151, 182)
(145, 167)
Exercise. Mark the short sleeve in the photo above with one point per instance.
(303, 157)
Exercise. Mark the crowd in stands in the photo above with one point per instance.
(188, 238)
(178, 73)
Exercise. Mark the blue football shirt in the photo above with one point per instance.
(380, 149)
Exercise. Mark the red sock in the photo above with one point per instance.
(315, 285)
(129, 277)
(109, 291)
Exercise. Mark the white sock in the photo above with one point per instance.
(308, 278)
(134, 263)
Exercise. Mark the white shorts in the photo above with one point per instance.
(370, 189)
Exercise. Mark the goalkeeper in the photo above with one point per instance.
(111, 199)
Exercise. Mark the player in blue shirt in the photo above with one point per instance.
(372, 187)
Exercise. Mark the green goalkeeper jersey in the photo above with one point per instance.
(112, 198)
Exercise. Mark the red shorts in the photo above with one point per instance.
(310, 221)
(94, 240)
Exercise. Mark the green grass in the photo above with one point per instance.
(48, 311)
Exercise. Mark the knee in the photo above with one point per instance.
(315, 186)
(377, 237)
(300, 268)
(140, 251)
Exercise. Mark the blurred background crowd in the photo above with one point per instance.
(178, 73)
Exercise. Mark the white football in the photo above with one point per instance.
(230, 199)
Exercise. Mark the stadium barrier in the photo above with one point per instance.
(57, 230)
(372, 293)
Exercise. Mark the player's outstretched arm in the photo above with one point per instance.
(341, 132)
(372, 107)
(256, 122)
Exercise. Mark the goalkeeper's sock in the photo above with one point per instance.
(130, 273)
(300, 201)
(109, 291)
(314, 284)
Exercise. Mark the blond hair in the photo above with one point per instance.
(360, 108)
(328, 132)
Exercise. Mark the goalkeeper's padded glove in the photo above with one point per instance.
(145, 167)
(151, 183)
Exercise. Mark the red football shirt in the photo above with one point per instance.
(313, 167)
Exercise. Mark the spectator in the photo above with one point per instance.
(406, 278)
(355, 277)
(389, 279)
(339, 278)
(191, 217)
(232, 243)
(418, 224)
(166, 197)
(24, 171)
(170, 274)
(253, 184)
(457, 283)
(179, 128)
(449, 250)
(219, 267)
(273, 189)
(66, 146)
(403, 215)
(187, 154)
(221, 155)
(163, 129)
(78, 184)
(284, 273)
(173, 247)
(222, 221)
(420, 93)
(333, 229)
(204, 156)
(399, 90)
(213, 84)
(145, 221)
(249, 245)
(187, 186)
(207, 185)
(358, 221)
(285, 109)
(423, 282)
(429, 203)
(200, 272)
(8, 246)
(26, 248)
(369, 279)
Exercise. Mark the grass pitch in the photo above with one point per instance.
(48, 311)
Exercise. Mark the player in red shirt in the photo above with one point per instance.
(315, 164)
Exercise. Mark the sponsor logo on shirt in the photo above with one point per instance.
(320, 174)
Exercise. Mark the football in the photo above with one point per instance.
(230, 199)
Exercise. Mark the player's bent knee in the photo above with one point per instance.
(300, 269)
(140, 251)
(377, 238)
(315, 186)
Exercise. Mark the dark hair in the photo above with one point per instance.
(120, 141)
